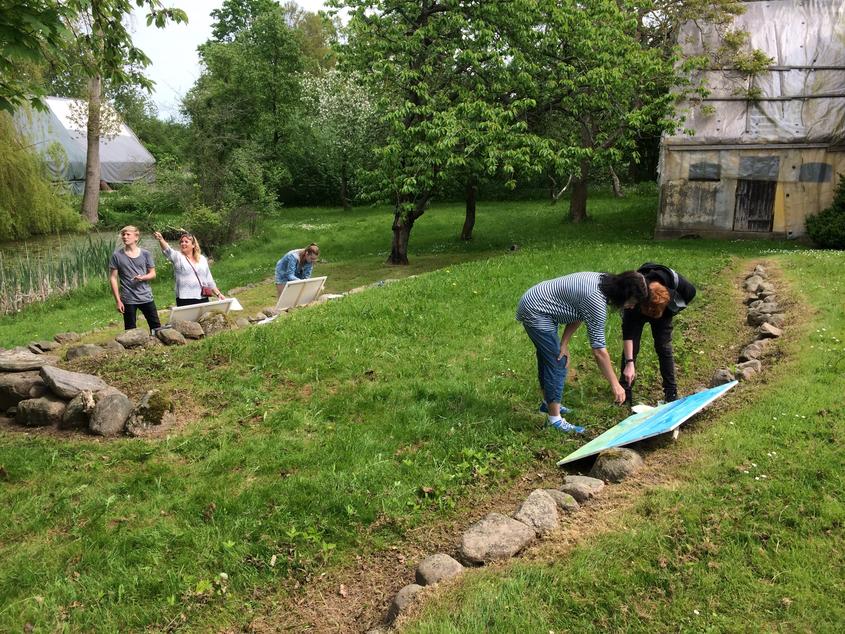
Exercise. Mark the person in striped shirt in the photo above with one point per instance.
(570, 300)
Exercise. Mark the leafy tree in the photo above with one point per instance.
(246, 97)
(30, 32)
(598, 87)
(104, 48)
(440, 68)
(341, 120)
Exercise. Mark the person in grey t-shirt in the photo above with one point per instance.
(130, 271)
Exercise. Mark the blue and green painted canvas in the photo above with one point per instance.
(654, 422)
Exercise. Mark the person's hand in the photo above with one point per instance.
(120, 307)
(618, 394)
(564, 352)
(138, 278)
(157, 235)
(630, 373)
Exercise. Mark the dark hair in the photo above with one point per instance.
(618, 289)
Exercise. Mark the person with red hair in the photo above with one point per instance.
(668, 294)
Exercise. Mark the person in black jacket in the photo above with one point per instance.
(669, 294)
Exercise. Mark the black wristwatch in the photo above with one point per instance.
(627, 361)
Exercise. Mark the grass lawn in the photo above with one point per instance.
(751, 540)
(336, 429)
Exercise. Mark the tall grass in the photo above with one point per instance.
(31, 277)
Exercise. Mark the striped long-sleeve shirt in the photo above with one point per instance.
(574, 297)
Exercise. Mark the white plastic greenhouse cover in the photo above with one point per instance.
(801, 97)
(122, 157)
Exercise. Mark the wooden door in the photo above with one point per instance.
(755, 202)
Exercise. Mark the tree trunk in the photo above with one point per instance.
(469, 219)
(344, 188)
(91, 196)
(402, 226)
(578, 200)
(617, 186)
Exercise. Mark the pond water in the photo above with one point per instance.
(55, 245)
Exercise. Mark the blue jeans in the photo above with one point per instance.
(550, 372)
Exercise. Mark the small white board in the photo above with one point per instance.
(195, 311)
(300, 292)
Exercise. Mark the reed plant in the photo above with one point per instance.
(33, 277)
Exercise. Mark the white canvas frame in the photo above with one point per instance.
(195, 311)
(300, 292)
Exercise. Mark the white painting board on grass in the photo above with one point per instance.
(195, 311)
(300, 292)
(649, 422)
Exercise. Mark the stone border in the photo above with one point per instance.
(764, 313)
(498, 537)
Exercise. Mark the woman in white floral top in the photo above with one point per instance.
(194, 283)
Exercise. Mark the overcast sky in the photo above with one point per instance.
(173, 49)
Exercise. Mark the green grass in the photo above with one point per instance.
(751, 541)
(311, 439)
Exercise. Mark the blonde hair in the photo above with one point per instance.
(195, 250)
(129, 228)
(658, 299)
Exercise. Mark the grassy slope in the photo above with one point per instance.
(752, 540)
(319, 426)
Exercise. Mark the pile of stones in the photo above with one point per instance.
(765, 314)
(34, 392)
(497, 537)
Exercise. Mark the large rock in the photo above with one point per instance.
(171, 337)
(133, 338)
(582, 488)
(85, 350)
(776, 319)
(754, 364)
(767, 331)
(18, 386)
(40, 412)
(20, 360)
(404, 598)
(68, 384)
(110, 414)
(213, 323)
(494, 538)
(539, 511)
(46, 346)
(752, 283)
(154, 408)
(754, 350)
(614, 465)
(760, 270)
(189, 329)
(67, 337)
(78, 411)
(746, 374)
(721, 376)
(565, 502)
(435, 568)
(113, 346)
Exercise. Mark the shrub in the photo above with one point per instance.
(210, 227)
(29, 203)
(827, 227)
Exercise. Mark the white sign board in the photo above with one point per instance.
(300, 292)
(195, 311)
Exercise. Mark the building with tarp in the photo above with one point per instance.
(760, 152)
(59, 134)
